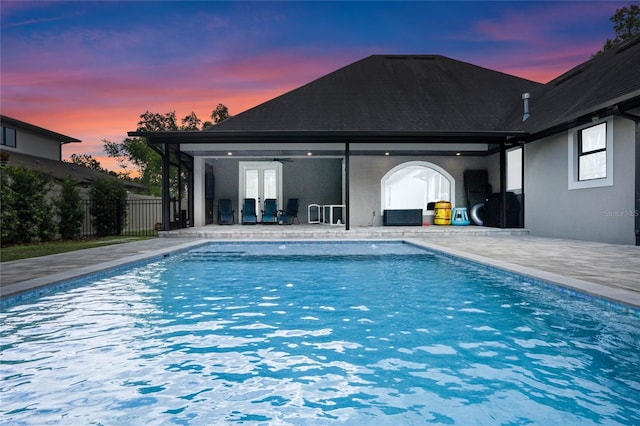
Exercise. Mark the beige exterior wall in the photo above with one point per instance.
(34, 144)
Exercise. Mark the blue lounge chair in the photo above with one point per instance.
(290, 214)
(270, 212)
(248, 211)
(225, 212)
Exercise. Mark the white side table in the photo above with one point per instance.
(313, 213)
(332, 214)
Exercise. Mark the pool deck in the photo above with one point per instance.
(609, 271)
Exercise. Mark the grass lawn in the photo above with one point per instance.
(43, 249)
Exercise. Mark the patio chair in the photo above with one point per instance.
(288, 215)
(248, 211)
(225, 212)
(270, 212)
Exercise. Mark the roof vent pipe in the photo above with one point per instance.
(525, 101)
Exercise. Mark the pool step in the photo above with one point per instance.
(310, 232)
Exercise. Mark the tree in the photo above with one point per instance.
(219, 114)
(87, 161)
(70, 211)
(191, 122)
(626, 24)
(108, 206)
(148, 162)
(154, 122)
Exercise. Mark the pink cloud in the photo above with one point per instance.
(542, 66)
(536, 26)
(93, 96)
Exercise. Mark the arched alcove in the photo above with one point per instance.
(414, 184)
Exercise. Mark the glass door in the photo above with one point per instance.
(260, 180)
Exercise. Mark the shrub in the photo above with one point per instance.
(26, 214)
(8, 215)
(108, 206)
(69, 210)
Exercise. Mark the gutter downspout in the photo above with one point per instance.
(636, 119)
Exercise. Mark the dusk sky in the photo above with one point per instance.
(89, 69)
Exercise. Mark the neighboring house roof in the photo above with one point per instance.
(36, 129)
(608, 79)
(392, 92)
(58, 170)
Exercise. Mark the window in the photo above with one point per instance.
(592, 152)
(514, 169)
(8, 137)
(590, 160)
(414, 184)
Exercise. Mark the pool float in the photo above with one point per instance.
(476, 213)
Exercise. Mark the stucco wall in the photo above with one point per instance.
(319, 181)
(602, 214)
(366, 173)
(314, 180)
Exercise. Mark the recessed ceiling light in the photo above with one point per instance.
(386, 153)
(229, 153)
(309, 154)
(457, 153)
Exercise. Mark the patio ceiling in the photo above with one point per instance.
(272, 143)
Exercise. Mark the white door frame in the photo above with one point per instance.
(261, 166)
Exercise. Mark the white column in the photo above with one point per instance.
(198, 192)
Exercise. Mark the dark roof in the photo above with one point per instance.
(58, 170)
(608, 79)
(430, 98)
(36, 129)
(425, 93)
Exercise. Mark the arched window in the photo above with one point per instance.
(414, 184)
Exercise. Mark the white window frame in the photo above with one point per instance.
(574, 157)
(14, 143)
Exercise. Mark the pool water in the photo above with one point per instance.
(317, 333)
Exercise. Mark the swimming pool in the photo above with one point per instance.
(304, 333)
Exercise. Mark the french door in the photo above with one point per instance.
(260, 180)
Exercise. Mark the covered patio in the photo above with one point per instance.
(334, 140)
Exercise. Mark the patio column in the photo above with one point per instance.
(166, 197)
(346, 185)
(637, 203)
(503, 184)
(523, 194)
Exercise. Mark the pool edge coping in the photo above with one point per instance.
(614, 294)
(21, 287)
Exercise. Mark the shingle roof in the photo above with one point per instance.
(402, 93)
(58, 170)
(607, 79)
